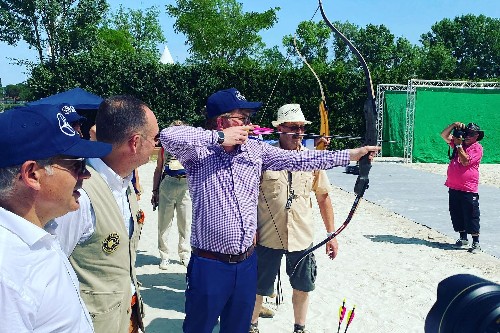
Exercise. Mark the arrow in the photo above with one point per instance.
(350, 317)
(342, 311)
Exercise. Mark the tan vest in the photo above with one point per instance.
(105, 263)
(290, 229)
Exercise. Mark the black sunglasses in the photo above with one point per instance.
(295, 128)
(79, 165)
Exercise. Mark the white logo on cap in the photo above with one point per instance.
(240, 96)
(67, 109)
(65, 126)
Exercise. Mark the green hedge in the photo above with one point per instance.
(180, 91)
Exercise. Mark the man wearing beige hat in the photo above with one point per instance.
(285, 223)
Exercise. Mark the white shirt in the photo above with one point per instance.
(38, 287)
(78, 226)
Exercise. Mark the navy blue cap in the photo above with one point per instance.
(40, 132)
(225, 101)
(69, 112)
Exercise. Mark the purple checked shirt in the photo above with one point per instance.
(224, 187)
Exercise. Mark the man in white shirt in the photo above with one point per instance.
(102, 245)
(42, 166)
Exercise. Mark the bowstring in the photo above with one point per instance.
(280, 70)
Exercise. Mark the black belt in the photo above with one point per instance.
(229, 258)
(178, 176)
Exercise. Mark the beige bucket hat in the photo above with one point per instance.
(290, 113)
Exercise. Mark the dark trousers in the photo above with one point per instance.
(464, 211)
(217, 289)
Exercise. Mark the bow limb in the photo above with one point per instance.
(324, 129)
(369, 110)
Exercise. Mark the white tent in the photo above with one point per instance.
(166, 57)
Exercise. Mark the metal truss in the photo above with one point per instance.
(381, 89)
(413, 84)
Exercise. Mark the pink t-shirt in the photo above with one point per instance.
(465, 178)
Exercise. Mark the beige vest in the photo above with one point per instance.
(290, 229)
(105, 263)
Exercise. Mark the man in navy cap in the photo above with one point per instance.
(73, 118)
(223, 169)
(42, 166)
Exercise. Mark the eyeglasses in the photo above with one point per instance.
(295, 128)
(155, 141)
(244, 119)
(78, 167)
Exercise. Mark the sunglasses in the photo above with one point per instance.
(155, 141)
(78, 167)
(244, 119)
(295, 128)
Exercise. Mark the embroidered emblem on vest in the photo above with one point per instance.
(110, 244)
(140, 216)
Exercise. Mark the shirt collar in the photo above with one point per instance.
(24, 229)
(111, 178)
(277, 144)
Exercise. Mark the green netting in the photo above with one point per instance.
(438, 107)
(394, 123)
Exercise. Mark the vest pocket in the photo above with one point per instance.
(271, 183)
(105, 309)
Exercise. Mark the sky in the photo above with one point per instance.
(407, 19)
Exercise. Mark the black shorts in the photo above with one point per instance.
(464, 211)
(268, 265)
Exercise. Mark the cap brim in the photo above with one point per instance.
(254, 106)
(74, 118)
(85, 148)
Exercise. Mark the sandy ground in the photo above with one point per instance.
(388, 266)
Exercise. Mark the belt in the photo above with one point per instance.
(228, 258)
(178, 176)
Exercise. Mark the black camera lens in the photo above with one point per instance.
(465, 304)
(458, 133)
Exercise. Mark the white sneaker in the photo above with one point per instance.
(164, 264)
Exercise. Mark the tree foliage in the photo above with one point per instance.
(16, 92)
(63, 27)
(219, 30)
(473, 42)
(142, 26)
(311, 39)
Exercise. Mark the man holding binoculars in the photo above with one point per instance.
(463, 181)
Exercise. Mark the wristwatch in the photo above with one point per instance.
(220, 140)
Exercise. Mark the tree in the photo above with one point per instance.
(390, 59)
(16, 92)
(272, 58)
(437, 62)
(142, 26)
(116, 40)
(311, 39)
(472, 41)
(218, 30)
(62, 27)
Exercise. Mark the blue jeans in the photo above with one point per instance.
(217, 289)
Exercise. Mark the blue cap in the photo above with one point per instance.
(225, 101)
(69, 112)
(40, 132)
